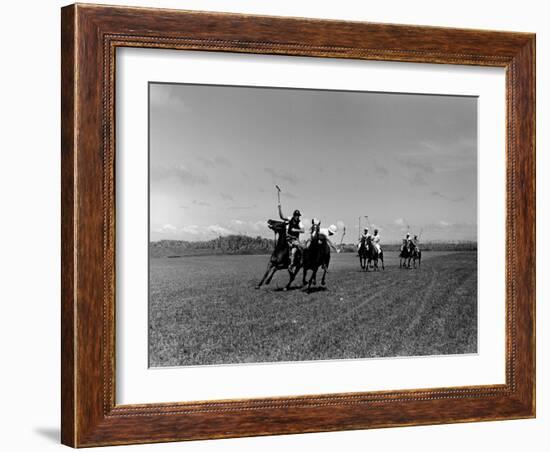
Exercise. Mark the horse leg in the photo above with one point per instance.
(292, 276)
(269, 267)
(323, 282)
(304, 281)
(382, 260)
(270, 277)
(313, 276)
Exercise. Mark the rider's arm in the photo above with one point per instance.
(281, 214)
(300, 230)
(332, 245)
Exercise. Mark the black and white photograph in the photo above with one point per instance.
(275, 226)
(300, 224)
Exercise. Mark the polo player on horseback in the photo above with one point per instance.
(317, 252)
(406, 242)
(323, 234)
(416, 252)
(376, 241)
(364, 235)
(326, 233)
(294, 229)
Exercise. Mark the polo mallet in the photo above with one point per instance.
(279, 203)
(278, 194)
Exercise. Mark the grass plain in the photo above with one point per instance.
(205, 310)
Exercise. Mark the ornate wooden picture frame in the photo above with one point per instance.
(90, 37)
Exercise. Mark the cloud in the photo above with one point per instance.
(280, 175)
(166, 229)
(421, 166)
(437, 194)
(191, 229)
(418, 179)
(443, 156)
(249, 226)
(182, 174)
(214, 162)
(201, 203)
(253, 206)
(167, 97)
(217, 229)
(380, 170)
(444, 224)
(399, 222)
(259, 225)
(288, 195)
(226, 197)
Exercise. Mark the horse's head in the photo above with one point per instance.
(315, 227)
(276, 225)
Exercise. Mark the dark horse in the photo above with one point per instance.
(280, 258)
(316, 255)
(406, 254)
(363, 253)
(416, 255)
(373, 254)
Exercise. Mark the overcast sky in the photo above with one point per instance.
(402, 159)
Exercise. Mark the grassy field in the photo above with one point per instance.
(205, 310)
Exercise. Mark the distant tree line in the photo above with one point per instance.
(229, 244)
(242, 244)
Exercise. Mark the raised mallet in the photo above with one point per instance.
(278, 194)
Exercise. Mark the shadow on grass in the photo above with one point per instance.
(315, 289)
(284, 289)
